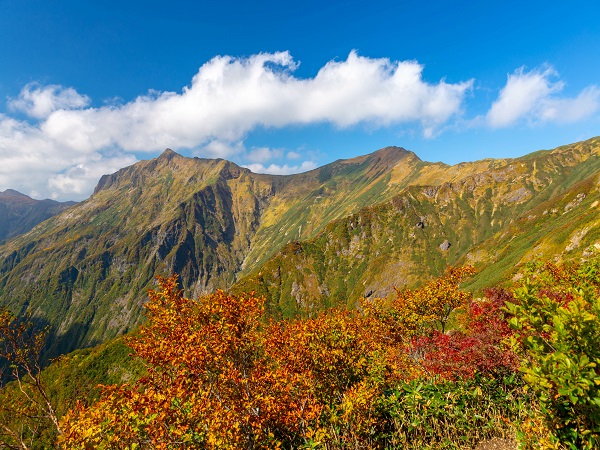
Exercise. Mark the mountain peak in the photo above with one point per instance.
(393, 153)
(168, 154)
(387, 155)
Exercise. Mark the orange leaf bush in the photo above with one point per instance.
(209, 383)
(219, 375)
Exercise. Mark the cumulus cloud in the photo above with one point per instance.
(276, 169)
(39, 101)
(220, 149)
(533, 96)
(63, 150)
(229, 97)
(75, 180)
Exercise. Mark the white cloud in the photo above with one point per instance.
(76, 179)
(275, 169)
(221, 149)
(39, 101)
(568, 110)
(532, 96)
(293, 155)
(229, 97)
(264, 154)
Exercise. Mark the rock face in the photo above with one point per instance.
(19, 213)
(306, 241)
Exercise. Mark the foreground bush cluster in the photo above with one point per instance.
(432, 368)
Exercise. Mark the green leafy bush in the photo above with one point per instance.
(556, 315)
(458, 414)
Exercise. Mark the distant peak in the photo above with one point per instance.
(12, 193)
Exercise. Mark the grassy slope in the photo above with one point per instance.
(541, 205)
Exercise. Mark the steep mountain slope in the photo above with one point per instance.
(19, 213)
(351, 228)
(566, 226)
(542, 205)
(86, 271)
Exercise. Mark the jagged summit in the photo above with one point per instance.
(168, 162)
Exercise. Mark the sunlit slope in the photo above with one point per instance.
(542, 205)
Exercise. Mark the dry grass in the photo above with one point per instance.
(497, 444)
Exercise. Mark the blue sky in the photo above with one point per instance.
(89, 87)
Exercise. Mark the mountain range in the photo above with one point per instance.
(19, 213)
(353, 228)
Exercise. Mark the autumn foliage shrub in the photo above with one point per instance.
(430, 368)
(220, 376)
(480, 346)
(210, 382)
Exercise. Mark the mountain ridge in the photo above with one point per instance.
(435, 226)
(86, 271)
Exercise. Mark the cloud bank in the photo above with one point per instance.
(61, 145)
(229, 97)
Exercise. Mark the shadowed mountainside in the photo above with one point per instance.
(19, 213)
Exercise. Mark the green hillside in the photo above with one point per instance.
(543, 205)
(86, 272)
